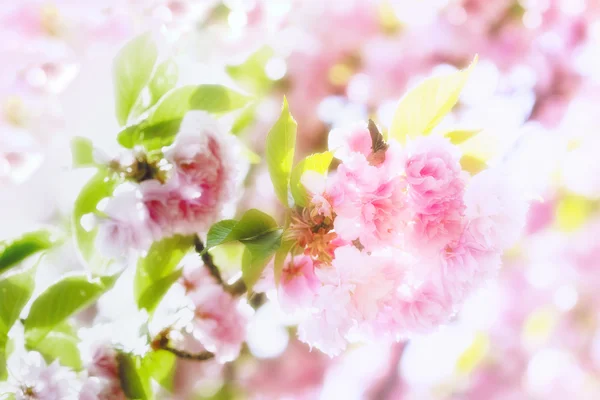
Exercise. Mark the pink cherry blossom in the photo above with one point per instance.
(435, 188)
(34, 379)
(202, 185)
(495, 208)
(466, 264)
(353, 139)
(368, 202)
(433, 174)
(219, 323)
(298, 282)
(95, 388)
(126, 226)
(426, 309)
(354, 290)
(103, 371)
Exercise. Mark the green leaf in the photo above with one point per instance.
(421, 109)
(132, 69)
(161, 367)
(253, 223)
(173, 105)
(14, 251)
(15, 292)
(258, 232)
(60, 301)
(472, 164)
(134, 376)
(101, 185)
(281, 145)
(82, 152)
(318, 162)
(259, 252)
(251, 156)
(60, 344)
(164, 79)
(246, 117)
(461, 135)
(217, 99)
(251, 74)
(156, 272)
(152, 137)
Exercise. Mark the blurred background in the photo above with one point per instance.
(533, 333)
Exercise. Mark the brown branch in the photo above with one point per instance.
(207, 259)
(161, 342)
(237, 288)
(202, 356)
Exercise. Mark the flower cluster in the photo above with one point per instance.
(395, 239)
(219, 323)
(201, 178)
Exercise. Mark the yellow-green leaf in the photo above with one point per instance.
(318, 162)
(132, 69)
(281, 145)
(461, 135)
(164, 79)
(422, 108)
(472, 164)
(15, 292)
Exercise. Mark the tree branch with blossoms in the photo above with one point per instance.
(386, 242)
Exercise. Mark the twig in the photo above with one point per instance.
(161, 342)
(207, 259)
(237, 288)
(202, 356)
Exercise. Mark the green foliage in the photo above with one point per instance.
(164, 79)
(281, 145)
(251, 74)
(253, 224)
(245, 118)
(132, 69)
(61, 300)
(134, 376)
(156, 272)
(152, 137)
(421, 109)
(173, 105)
(258, 232)
(15, 291)
(82, 152)
(217, 99)
(318, 162)
(101, 185)
(259, 252)
(14, 251)
(160, 365)
(461, 135)
(472, 164)
(164, 120)
(60, 344)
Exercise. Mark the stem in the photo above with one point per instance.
(203, 356)
(237, 288)
(161, 342)
(207, 259)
